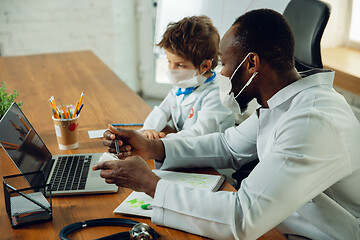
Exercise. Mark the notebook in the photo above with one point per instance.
(68, 174)
(138, 203)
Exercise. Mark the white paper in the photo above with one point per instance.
(96, 133)
(132, 204)
(21, 205)
(193, 180)
(106, 156)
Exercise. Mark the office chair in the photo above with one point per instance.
(307, 19)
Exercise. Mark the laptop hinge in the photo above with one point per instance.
(47, 168)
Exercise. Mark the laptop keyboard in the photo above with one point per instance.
(70, 173)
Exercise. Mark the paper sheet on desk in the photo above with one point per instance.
(21, 205)
(96, 133)
(132, 204)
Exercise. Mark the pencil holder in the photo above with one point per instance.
(27, 204)
(67, 130)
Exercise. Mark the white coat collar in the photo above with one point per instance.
(310, 78)
(196, 93)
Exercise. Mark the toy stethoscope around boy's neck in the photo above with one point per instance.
(186, 78)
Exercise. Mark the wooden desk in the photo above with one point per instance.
(107, 99)
(344, 61)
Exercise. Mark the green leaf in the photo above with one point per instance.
(6, 99)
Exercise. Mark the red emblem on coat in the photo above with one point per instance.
(191, 114)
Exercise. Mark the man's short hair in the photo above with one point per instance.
(193, 38)
(267, 33)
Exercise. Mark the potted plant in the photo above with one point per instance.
(6, 99)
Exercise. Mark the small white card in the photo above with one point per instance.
(107, 157)
(96, 133)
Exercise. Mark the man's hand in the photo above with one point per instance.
(132, 143)
(152, 134)
(133, 173)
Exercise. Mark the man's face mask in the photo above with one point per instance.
(185, 78)
(227, 99)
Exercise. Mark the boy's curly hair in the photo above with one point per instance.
(192, 38)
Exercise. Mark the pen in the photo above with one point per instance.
(127, 124)
(78, 111)
(117, 146)
(28, 198)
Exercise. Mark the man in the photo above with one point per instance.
(304, 134)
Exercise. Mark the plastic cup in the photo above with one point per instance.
(67, 132)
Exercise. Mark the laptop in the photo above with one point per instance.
(69, 174)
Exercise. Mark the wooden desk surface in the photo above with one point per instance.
(345, 62)
(107, 99)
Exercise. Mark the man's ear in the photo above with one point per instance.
(254, 62)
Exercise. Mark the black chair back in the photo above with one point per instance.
(307, 19)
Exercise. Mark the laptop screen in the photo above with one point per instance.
(21, 142)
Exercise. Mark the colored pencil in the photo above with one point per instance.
(10, 144)
(127, 124)
(27, 127)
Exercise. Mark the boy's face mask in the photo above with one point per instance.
(185, 78)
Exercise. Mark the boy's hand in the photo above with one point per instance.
(152, 134)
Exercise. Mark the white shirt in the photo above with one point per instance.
(197, 114)
(307, 179)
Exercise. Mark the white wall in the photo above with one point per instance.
(107, 27)
(336, 30)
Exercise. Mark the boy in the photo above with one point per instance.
(192, 107)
